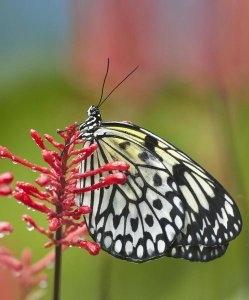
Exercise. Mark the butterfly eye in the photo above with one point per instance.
(92, 111)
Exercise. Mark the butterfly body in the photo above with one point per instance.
(169, 205)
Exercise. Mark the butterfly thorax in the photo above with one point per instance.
(92, 123)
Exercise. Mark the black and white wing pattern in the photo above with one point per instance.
(169, 205)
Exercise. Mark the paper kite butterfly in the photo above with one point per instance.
(169, 205)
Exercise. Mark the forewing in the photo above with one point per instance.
(167, 198)
(211, 216)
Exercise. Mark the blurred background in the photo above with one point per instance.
(191, 88)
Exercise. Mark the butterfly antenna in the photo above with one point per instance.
(117, 86)
(103, 85)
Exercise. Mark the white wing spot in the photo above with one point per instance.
(108, 241)
(203, 227)
(201, 247)
(119, 203)
(201, 173)
(198, 236)
(223, 219)
(177, 201)
(118, 246)
(170, 232)
(189, 238)
(161, 246)
(99, 237)
(140, 251)
(178, 222)
(198, 192)
(150, 247)
(236, 227)
(186, 223)
(189, 198)
(177, 154)
(173, 251)
(228, 199)
(174, 186)
(101, 223)
(229, 208)
(192, 217)
(128, 247)
(216, 227)
(207, 220)
(139, 182)
(205, 184)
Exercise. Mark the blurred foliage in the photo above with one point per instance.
(187, 117)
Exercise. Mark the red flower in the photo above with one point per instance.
(58, 181)
(5, 180)
(54, 197)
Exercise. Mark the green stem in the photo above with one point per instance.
(105, 278)
(57, 271)
(59, 231)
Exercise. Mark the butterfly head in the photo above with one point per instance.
(93, 122)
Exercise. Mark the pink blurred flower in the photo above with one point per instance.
(198, 41)
(5, 228)
(127, 33)
(220, 58)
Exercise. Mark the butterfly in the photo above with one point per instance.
(168, 206)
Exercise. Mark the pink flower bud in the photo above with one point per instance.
(5, 190)
(53, 159)
(32, 190)
(43, 179)
(27, 200)
(5, 228)
(37, 138)
(6, 178)
(54, 224)
(117, 178)
(51, 140)
(92, 247)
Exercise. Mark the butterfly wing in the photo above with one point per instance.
(168, 206)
